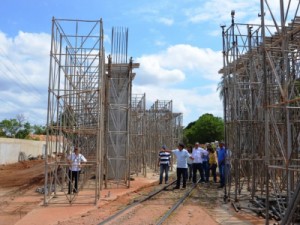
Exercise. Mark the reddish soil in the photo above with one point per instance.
(22, 173)
(20, 204)
(17, 189)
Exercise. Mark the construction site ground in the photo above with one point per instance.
(20, 203)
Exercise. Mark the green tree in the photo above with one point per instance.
(38, 129)
(16, 127)
(10, 127)
(24, 131)
(207, 128)
(2, 133)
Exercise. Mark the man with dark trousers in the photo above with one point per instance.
(75, 161)
(181, 171)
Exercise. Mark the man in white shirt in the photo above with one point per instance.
(75, 160)
(197, 156)
(181, 171)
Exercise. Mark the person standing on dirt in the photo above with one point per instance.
(190, 165)
(181, 171)
(197, 156)
(164, 164)
(212, 162)
(75, 161)
(221, 163)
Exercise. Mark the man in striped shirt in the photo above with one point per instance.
(164, 164)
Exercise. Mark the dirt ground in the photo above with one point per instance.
(20, 204)
(17, 189)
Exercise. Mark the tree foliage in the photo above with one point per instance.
(10, 127)
(39, 129)
(207, 128)
(19, 128)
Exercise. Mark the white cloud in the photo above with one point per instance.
(24, 72)
(177, 62)
(219, 11)
(185, 74)
(166, 21)
(152, 70)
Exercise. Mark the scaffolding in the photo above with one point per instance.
(91, 106)
(261, 113)
(137, 134)
(159, 129)
(74, 104)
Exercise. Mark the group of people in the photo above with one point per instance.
(204, 160)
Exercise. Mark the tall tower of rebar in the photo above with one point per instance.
(117, 105)
(74, 104)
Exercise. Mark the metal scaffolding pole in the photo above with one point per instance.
(137, 134)
(74, 106)
(261, 111)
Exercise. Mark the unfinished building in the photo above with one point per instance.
(260, 88)
(91, 105)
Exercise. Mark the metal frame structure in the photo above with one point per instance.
(91, 106)
(137, 134)
(74, 105)
(261, 112)
(158, 129)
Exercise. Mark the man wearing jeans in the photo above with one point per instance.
(221, 163)
(164, 164)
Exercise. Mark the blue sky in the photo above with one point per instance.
(178, 44)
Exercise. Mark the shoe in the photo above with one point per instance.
(159, 183)
(69, 193)
(166, 182)
(184, 187)
(221, 186)
(175, 188)
(75, 191)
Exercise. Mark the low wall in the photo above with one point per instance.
(14, 150)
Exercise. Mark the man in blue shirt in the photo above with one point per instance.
(221, 163)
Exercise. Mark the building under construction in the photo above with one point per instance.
(91, 105)
(261, 94)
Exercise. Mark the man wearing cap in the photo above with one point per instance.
(164, 164)
(181, 171)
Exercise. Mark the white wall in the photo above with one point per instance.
(11, 150)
